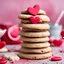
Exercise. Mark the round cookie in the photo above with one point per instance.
(35, 34)
(35, 40)
(43, 18)
(35, 45)
(42, 50)
(29, 22)
(41, 12)
(35, 56)
(34, 30)
(36, 26)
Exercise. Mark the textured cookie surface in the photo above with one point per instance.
(35, 56)
(36, 26)
(35, 45)
(42, 12)
(42, 50)
(42, 17)
(43, 39)
(35, 34)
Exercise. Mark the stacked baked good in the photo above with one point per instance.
(35, 34)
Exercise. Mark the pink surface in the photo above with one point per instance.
(10, 9)
(15, 49)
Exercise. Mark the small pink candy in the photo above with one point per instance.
(3, 61)
(56, 58)
(19, 28)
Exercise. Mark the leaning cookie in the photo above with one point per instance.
(36, 26)
(35, 34)
(35, 56)
(35, 45)
(42, 50)
(35, 40)
(43, 18)
(41, 12)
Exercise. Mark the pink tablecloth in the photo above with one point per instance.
(15, 48)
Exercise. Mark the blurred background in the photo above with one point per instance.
(10, 9)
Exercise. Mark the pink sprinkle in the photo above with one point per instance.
(13, 62)
(16, 50)
(9, 51)
(52, 54)
(62, 51)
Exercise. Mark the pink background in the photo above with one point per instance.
(10, 9)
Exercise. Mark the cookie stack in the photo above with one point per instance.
(35, 34)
